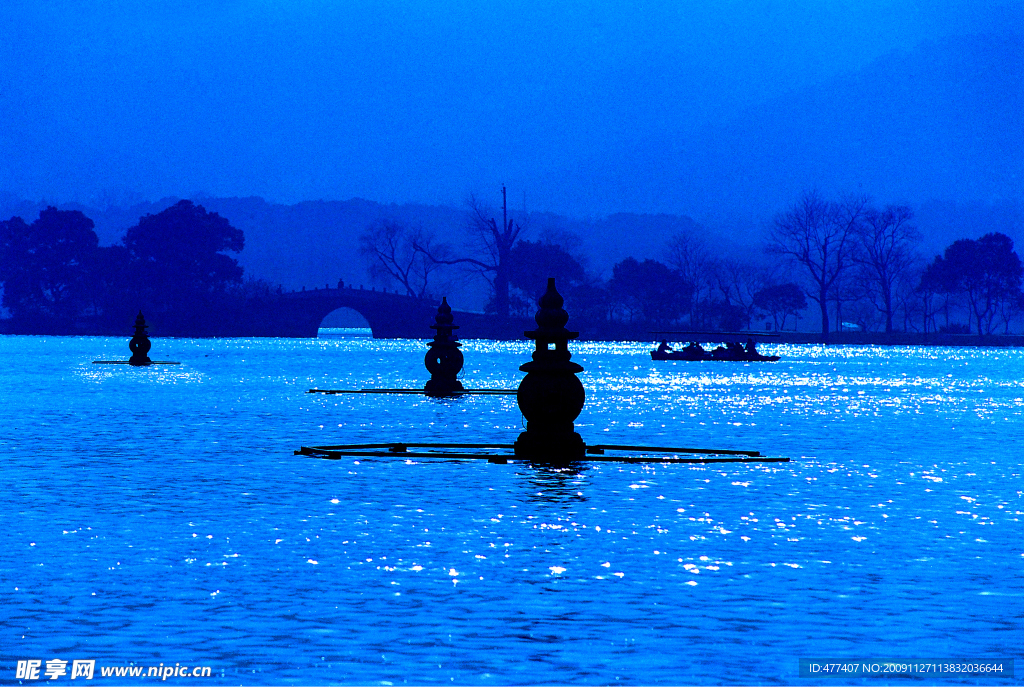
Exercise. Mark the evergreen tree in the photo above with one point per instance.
(176, 258)
(44, 266)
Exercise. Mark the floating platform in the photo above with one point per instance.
(139, 365)
(499, 453)
(453, 393)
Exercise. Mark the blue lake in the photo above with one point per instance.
(158, 515)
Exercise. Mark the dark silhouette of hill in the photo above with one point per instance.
(315, 243)
(939, 127)
(941, 121)
(936, 124)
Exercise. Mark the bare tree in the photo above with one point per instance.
(849, 288)
(738, 281)
(887, 242)
(819, 235)
(937, 290)
(1010, 308)
(494, 244)
(398, 253)
(689, 254)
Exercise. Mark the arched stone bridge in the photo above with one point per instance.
(299, 314)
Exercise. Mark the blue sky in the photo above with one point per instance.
(566, 103)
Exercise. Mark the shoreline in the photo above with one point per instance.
(810, 338)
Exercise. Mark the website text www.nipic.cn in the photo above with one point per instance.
(52, 669)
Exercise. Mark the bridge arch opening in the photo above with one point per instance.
(344, 322)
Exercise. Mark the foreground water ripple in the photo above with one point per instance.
(158, 515)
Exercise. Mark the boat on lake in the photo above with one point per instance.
(731, 350)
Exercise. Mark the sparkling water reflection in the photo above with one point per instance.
(158, 515)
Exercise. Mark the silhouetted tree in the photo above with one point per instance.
(44, 266)
(532, 262)
(14, 270)
(780, 301)
(109, 287)
(649, 292)
(1009, 309)
(724, 316)
(689, 255)
(738, 282)
(847, 289)
(407, 256)
(591, 305)
(987, 272)
(177, 257)
(863, 313)
(819, 235)
(887, 242)
(495, 246)
(936, 280)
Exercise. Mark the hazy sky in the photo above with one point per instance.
(564, 102)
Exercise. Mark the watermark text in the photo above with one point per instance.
(53, 669)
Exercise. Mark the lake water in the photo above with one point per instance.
(158, 516)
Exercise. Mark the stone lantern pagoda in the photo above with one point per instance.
(443, 360)
(551, 396)
(140, 344)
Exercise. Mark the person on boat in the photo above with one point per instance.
(735, 351)
(751, 349)
(695, 352)
(664, 348)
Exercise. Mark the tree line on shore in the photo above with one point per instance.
(172, 265)
(855, 262)
(860, 265)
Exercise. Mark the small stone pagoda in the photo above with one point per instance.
(443, 360)
(551, 396)
(140, 344)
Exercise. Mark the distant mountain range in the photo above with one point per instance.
(940, 128)
(315, 243)
(942, 121)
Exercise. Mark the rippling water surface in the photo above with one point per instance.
(159, 515)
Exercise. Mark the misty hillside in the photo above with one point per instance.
(943, 121)
(939, 127)
(315, 243)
